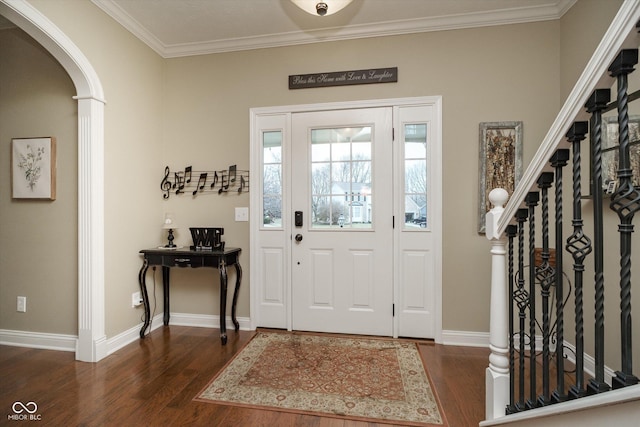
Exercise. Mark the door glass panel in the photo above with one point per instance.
(340, 151)
(341, 173)
(361, 151)
(321, 152)
(341, 196)
(272, 179)
(361, 173)
(415, 176)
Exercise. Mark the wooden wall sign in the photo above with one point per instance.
(344, 78)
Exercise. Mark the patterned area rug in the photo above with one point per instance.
(380, 380)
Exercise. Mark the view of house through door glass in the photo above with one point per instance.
(341, 177)
(342, 254)
(415, 175)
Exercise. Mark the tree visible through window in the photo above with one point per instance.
(341, 193)
(272, 179)
(415, 175)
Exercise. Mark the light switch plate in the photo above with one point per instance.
(242, 214)
(22, 304)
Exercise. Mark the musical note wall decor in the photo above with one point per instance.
(231, 180)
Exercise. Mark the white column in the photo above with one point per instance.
(91, 299)
(497, 374)
(91, 345)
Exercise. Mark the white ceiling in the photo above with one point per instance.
(176, 28)
(192, 27)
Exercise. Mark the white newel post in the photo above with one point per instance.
(497, 374)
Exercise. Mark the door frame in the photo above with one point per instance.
(279, 257)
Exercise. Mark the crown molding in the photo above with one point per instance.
(131, 25)
(551, 11)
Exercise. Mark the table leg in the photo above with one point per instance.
(165, 288)
(223, 301)
(235, 295)
(142, 280)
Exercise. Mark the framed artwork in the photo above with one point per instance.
(500, 162)
(611, 152)
(33, 168)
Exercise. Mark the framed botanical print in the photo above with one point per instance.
(33, 168)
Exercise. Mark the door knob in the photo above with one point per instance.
(298, 237)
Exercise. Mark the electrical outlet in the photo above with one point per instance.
(136, 299)
(242, 214)
(22, 304)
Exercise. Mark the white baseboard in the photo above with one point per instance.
(178, 319)
(41, 340)
(465, 338)
(481, 339)
(68, 342)
(115, 343)
(589, 363)
(63, 342)
(207, 321)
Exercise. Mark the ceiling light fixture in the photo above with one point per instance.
(321, 7)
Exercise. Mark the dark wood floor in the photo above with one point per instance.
(152, 382)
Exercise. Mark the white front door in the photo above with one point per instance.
(355, 269)
(342, 221)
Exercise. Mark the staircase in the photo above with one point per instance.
(550, 278)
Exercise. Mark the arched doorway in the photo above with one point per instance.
(91, 345)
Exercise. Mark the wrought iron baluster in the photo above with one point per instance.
(558, 161)
(579, 246)
(545, 276)
(512, 231)
(522, 299)
(596, 103)
(531, 200)
(625, 202)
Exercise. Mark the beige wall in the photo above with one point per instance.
(132, 77)
(208, 125)
(38, 250)
(581, 30)
(195, 111)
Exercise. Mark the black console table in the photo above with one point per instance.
(168, 258)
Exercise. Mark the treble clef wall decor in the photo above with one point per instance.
(231, 180)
